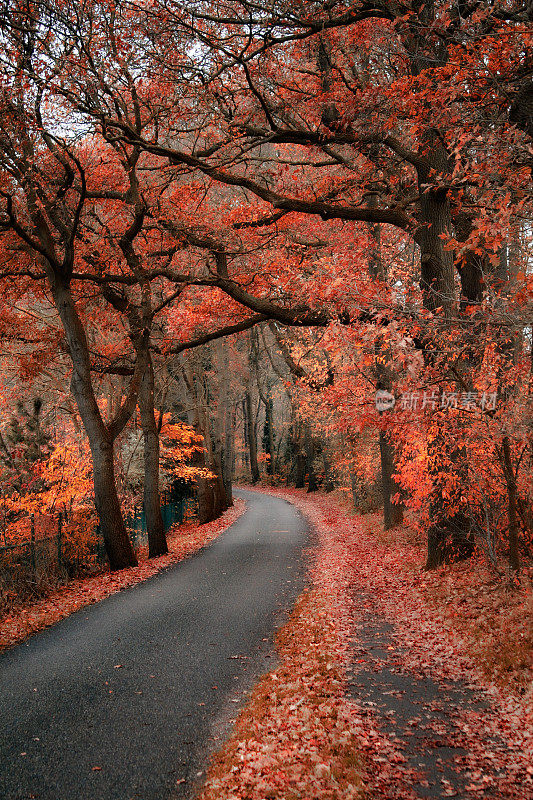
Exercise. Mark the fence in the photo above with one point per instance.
(27, 568)
(174, 510)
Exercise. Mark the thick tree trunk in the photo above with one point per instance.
(269, 433)
(392, 512)
(300, 463)
(222, 492)
(223, 425)
(298, 454)
(311, 450)
(210, 498)
(206, 501)
(329, 482)
(157, 543)
(229, 452)
(449, 534)
(436, 262)
(117, 543)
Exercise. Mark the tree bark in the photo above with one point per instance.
(252, 441)
(157, 542)
(512, 505)
(211, 494)
(392, 512)
(224, 424)
(117, 543)
(311, 448)
(449, 534)
(269, 433)
(298, 454)
(101, 440)
(436, 262)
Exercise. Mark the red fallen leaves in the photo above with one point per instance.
(383, 569)
(285, 741)
(182, 541)
(293, 740)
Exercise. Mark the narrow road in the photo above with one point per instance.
(118, 702)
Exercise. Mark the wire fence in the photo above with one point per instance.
(76, 548)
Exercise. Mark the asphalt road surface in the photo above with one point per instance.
(120, 701)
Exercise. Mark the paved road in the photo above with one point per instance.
(134, 684)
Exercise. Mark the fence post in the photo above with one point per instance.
(59, 534)
(32, 542)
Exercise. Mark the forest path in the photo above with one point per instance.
(434, 734)
(120, 700)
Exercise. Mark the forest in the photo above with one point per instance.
(281, 244)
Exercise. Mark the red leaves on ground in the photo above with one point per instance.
(296, 739)
(289, 742)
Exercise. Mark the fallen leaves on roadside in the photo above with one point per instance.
(280, 751)
(295, 738)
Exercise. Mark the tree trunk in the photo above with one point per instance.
(252, 441)
(212, 501)
(117, 543)
(229, 451)
(329, 482)
(298, 454)
(206, 501)
(300, 470)
(311, 448)
(392, 512)
(223, 425)
(449, 534)
(269, 433)
(436, 262)
(157, 542)
(514, 558)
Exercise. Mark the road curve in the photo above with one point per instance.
(117, 702)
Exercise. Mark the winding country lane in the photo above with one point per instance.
(118, 702)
